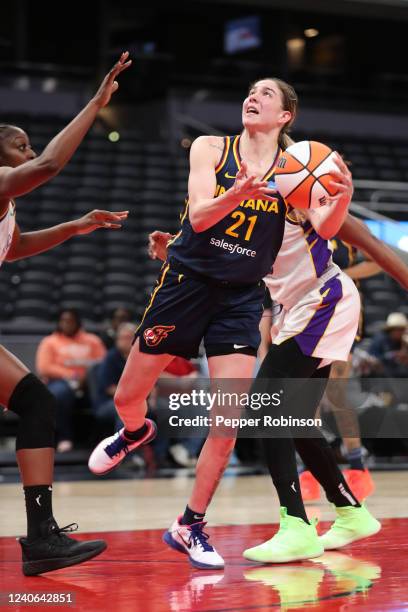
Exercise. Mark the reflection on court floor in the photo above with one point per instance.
(138, 572)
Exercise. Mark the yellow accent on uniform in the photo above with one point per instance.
(159, 286)
(174, 238)
(316, 308)
(224, 155)
(235, 151)
(268, 176)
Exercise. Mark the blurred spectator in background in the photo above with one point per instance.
(108, 374)
(389, 348)
(179, 377)
(62, 361)
(118, 316)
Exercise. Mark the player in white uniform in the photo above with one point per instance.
(315, 325)
(46, 546)
(7, 226)
(315, 320)
(320, 305)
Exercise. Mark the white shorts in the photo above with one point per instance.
(324, 322)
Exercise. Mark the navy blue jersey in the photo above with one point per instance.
(242, 246)
(344, 255)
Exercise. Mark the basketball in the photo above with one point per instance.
(303, 175)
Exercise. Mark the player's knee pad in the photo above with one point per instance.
(36, 407)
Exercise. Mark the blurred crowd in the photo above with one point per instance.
(83, 369)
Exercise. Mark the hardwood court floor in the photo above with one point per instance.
(139, 573)
(110, 505)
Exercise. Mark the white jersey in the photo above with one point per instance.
(7, 225)
(320, 305)
(303, 258)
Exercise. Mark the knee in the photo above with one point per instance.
(123, 398)
(36, 407)
(221, 448)
(336, 393)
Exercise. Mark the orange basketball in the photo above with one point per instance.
(303, 175)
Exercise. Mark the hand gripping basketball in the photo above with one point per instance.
(309, 175)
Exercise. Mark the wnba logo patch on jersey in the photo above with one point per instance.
(154, 335)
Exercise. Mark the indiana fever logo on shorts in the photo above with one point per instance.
(154, 335)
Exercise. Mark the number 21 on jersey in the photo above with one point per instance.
(241, 220)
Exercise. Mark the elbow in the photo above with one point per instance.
(196, 223)
(198, 227)
(48, 165)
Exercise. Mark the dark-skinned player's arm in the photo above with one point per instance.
(23, 179)
(356, 233)
(363, 269)
(205, 210)
(31, 243)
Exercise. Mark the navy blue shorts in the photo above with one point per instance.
(183, 310)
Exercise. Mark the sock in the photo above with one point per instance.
(355, 459)
(319, 459)
(133, 436)
(38, 500)
(191, 516)
(281, 461)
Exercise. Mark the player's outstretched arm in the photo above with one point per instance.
(328, 219)
(356, 233)
(363, 269)
(23, 179)
(32, 243)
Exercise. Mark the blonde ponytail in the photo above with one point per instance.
(284, 140)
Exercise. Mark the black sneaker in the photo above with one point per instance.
(54, 550)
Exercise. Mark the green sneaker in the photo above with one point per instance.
(351, 524)
(295, 540)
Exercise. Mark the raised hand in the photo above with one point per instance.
(249, 187)
(158, 241)
(109, 85)
(97, 219)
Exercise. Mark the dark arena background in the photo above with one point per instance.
(192, 64)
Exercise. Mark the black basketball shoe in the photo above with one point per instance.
(54, 550)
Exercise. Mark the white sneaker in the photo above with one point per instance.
(180, 455)
(191, 540)
(112, 451)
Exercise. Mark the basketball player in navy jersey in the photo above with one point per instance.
(315, 325)
(211, 288)
(46, 547)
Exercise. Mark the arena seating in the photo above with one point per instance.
(105, 269)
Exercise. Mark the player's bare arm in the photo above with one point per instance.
(32, 243)
(363, 269)
(204, 209)
(26, 177)
(356, 233)
(328, 219)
